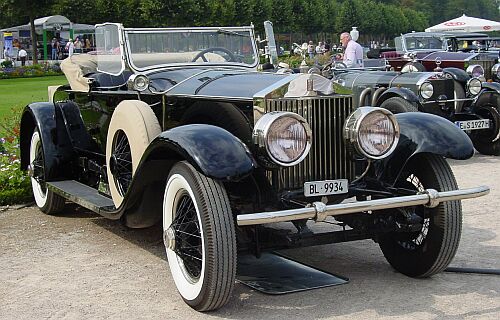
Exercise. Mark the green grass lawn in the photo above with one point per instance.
(17, 93)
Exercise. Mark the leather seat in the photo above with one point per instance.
(104, 80)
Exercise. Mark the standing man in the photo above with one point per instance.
(70, 47)
(353, 52)
(78, 45)
(310, 50)
(22, 56)
(6, 53)
(54, 46)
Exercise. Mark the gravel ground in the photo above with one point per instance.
(80, 266)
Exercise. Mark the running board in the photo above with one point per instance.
(83, 195)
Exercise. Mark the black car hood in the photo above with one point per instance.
(213, 83)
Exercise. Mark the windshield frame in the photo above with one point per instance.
(405, 37)
(121, 42)
(229, 30)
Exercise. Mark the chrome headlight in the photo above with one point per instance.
(138, 82)
(374, 132)
(286, 137)
(473, 86)
(495, 71)
(475, 70)
(426, 90)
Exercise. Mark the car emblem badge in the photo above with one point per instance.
(438, 63)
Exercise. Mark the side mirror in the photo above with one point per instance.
(271, 43)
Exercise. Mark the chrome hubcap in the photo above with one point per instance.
(169, 238)
(30, 171)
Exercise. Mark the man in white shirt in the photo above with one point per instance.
(320, 49)
(22, 54)
(353, 52)
(6, 53)
(70, 47)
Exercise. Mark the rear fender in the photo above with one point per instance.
(57, 146)
(404, 93)
(423, 133)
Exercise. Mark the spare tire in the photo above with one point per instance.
(224, 115)
(133, 126)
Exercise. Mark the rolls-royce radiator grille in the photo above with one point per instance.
(487, 65)
(328, 157)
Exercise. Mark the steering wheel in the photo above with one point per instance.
(339, 65)
(202, 53)
(328, 68)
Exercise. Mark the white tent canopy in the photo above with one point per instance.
(465, 24)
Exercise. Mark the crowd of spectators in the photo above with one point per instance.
(61, 48)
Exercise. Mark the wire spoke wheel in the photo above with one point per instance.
(132, 127)
(188, 237)
(430, 249)
(45, 199)
(38, 168)
(413, 240)
(121, 162)
(199, 236)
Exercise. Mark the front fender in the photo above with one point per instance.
(491, 86)
(423, 133)
(404, 93)
(211, 150)
(57, 148)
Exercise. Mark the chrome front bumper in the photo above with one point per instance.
(320, 211)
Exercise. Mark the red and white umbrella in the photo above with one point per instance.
(465, 24)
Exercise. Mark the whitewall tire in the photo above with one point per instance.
(199, 237)
(132, 127)
(45, 199)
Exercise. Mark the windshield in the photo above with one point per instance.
(150, 48)
(423, 43)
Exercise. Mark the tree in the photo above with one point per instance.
(417, 20)
(221, 12)
(80, 11)
(348, 16)
(243, 15)
(281, 15)
(159, 13)
(27, 9)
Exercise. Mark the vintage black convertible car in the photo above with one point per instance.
(473, 105)
(178, 126)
